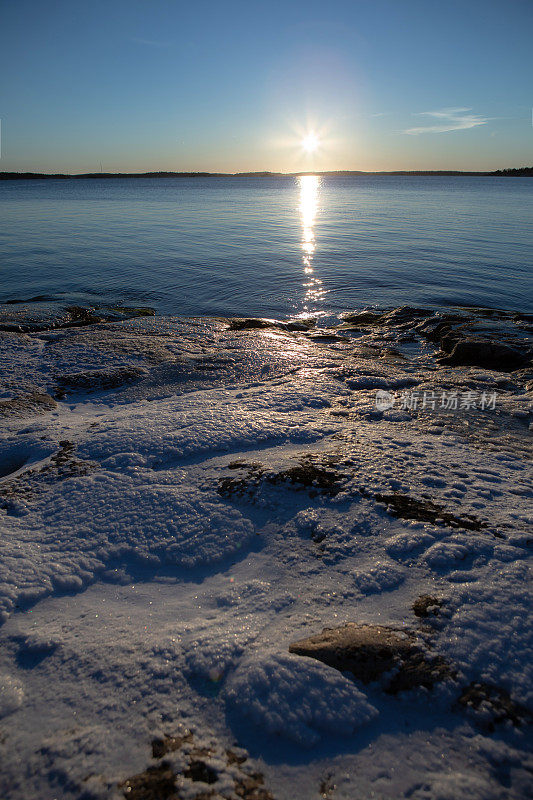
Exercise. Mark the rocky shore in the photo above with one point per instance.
(250, 558)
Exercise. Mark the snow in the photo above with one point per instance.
(11, 694)
(157, 559)
(300, 702)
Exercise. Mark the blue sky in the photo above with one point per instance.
(236, 86)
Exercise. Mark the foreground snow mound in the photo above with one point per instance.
(297, 699)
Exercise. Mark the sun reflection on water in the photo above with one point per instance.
(308, 207)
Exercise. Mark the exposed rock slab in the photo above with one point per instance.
(370, 651)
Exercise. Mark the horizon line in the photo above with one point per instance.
(12, 175)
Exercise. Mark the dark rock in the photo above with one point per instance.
(155, 783)
(138, 311)
(33, 403)
(79, 317)
(307, 474)
(370, 651)
(200, 771)
(327, 338)
(159, 782)
(438, 326)
(299, 325)
(419, 670)
(250, 324)
(235, 758)
(247, 484)
(497, 702)
(364, 317)
(62, 465)
(250, 787)
(327, 786)
(367, 651)
(405, 507)
(169, 744)
(425, 606)
(481, 353)
(100, 379)
(310, 475)
(40, 298)
(399, 316)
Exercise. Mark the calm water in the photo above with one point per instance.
(269, 246)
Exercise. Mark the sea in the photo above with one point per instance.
(269, 246)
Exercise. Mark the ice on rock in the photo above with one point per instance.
(298, 699)
(185, 426)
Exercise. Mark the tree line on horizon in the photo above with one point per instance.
(509, 172)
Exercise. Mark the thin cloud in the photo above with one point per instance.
(150, 42)
(448, 119)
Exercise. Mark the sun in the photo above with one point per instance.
(310, 143)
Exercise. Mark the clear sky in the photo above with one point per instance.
(237, 85)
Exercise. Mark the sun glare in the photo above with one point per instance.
(310, 143)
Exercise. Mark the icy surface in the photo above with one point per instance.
(179, 502)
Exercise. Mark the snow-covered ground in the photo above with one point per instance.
(181, 502)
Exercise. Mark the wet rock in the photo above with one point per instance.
(371, 651)
(251, 324)
(135, 311)
(80, 316)
(496, 703)
(327, 338)
(363, 318)
(22, 318)
(300, 325)
(39, 298)
(482, 353)
(496, 313)
(426, 606)
(438, 326)
(399, 316)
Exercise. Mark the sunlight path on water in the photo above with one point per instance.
(308, 207)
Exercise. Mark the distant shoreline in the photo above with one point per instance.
(505, 173)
